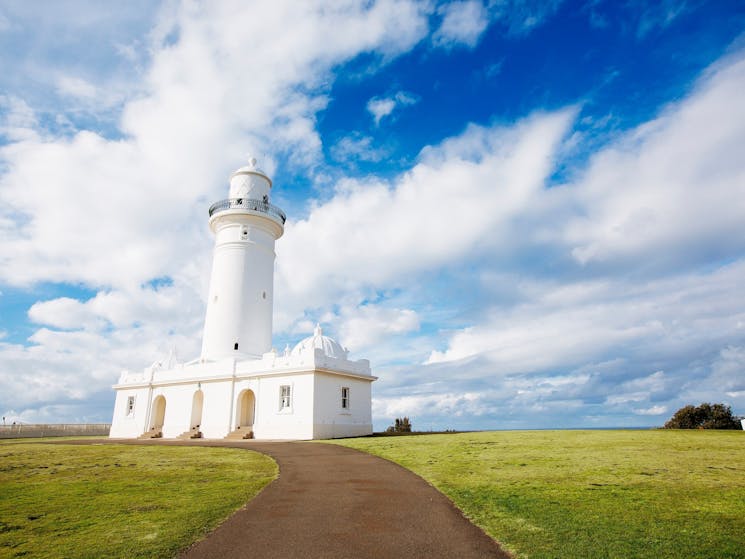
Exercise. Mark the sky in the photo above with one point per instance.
(525, 214)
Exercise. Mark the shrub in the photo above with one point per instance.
(705, 416)
(401, 425)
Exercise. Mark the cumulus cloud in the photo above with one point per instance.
(616, 295)
(673, 190)
(18, 120)
(63, 312)
(76, 87)
(608, 338)
(574, 323)
(357, 148)
(448, 404)
(380, 107)
(362, 327)
(113, 211)
(137, 192)
(376, 233)
(462, 24)
(634, 316)
(654, 410)
(650, 211)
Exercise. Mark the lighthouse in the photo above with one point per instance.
(238, 320)
(240, 387)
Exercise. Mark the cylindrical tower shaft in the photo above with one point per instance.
(238, 321)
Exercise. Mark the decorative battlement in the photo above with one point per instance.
(306, 360)
(251, 205)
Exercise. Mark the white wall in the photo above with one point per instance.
(179, 403)
(239, 305)
(295, 422)
(178, 408)
(315, 410)
(333, 421)
(129, 426)
(216, 413)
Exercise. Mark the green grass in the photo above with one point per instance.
(119, 501)
(589, 494)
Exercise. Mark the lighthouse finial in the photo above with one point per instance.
(251, 160)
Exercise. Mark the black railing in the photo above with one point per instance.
(248, 204)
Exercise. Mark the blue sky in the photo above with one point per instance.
(525, 214)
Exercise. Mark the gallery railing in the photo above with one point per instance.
(248, 204)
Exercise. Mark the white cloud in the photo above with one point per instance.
(120, 309)
(64, 57)
(654, 410)
(645, 300)
(380, 107)
(583, 322)
(104, 335)
(73, 412)
(137, 194)
(18, 121)
(672, 190)
(521, 17)
(365, 326)
(113, 214)
(60, 313)
(462, 24)
(76, 87)
(377, 234)
(622, 305)
(448, 404)
(357, 148)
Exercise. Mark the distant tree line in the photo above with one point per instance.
(705, 416)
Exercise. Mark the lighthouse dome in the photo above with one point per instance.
(250, 182)
(330, 347)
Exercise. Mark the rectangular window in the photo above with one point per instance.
(284, 396)
(130, 405)
(345, 397)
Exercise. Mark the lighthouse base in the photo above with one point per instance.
(287, 397)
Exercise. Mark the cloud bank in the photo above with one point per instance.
(486, 293)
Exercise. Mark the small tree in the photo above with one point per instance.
(685, 418)
(719, 416)
(705, 416)
(401, 425)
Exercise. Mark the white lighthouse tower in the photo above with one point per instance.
(240, 387)
(239, 306)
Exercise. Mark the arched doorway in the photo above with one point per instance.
(246, 409)
(197, 403)
(159, 413)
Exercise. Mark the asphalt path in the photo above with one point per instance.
(334, 502)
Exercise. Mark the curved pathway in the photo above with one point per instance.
(335, 502)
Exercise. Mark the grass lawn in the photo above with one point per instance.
(589, 494)
(117, 500)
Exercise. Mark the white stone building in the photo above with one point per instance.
(240, 387)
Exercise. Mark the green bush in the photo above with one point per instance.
(705, 416)
(402, 425)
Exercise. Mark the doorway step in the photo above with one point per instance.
(193, 433)
(240, 433)
(154, 433)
